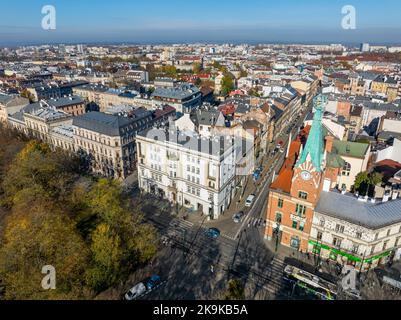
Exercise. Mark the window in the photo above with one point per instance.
(319, 236)
(295, 242)
(322, 222)
(388, 232)
(300, 210)
(301, 226)
(279, 216)
(355, 248)
(339, 228)
(346, 169)
(302, 195)
(385, 245)
(359, 235)
(337, 242)
(295, 225)
(280, 203)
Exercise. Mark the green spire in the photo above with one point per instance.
(315, 144)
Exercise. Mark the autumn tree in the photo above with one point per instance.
(197, 68)
(37, 236)
(132, 242)
(235, 290)
(43, 173)
(106, 256)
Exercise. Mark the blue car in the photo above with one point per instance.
(152, 282)
(212, 233)
(257, 173)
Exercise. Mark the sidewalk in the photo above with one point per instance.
(327, 271)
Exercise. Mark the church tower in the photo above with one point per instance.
(308, 170)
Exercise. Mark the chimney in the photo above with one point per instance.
(329, 144)
(386, 196)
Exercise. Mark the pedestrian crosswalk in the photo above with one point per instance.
(275, 273)
(229, 235)
(181, 223)
(255, 222)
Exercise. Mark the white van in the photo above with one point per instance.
(249, 200)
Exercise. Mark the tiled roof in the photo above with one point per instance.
(284, 180)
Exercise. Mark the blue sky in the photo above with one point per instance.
(204, 20)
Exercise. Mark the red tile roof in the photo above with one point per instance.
(284, 180)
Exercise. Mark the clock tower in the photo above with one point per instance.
(308, 171)
(295, 192)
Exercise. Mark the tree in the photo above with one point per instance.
(227, 85)
(36, 168)
(235, 291)
(37, 236)
(120, 230)
(364, 182)
(28, 95)
(197, 68)
(106, 255)
(170, 71)
(373, 289)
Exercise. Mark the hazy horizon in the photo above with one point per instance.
(180, 21)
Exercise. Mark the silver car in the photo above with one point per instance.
(135, 292)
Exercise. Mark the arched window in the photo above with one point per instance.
(346, 169)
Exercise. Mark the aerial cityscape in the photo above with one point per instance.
(163, 155)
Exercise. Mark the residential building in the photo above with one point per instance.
(187, 170)
(184, 98)
(10, 104)
(355, 231)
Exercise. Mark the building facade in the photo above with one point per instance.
(190, 171)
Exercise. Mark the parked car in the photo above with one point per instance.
(249, 200)
(136, 291)
(238, 217)
(212, 233)
(152, 282)
(256, 175)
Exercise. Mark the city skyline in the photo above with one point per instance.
(156, 22)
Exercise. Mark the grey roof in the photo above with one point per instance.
(381, 106)
(181, 92)
(107, 124)
(217, 145)
(349, 208)
(5, 98)
(206, 117)
(65, 101)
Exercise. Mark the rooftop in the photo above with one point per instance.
(350, 149)
(180, 92)
(107, 124)
(370, 215)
